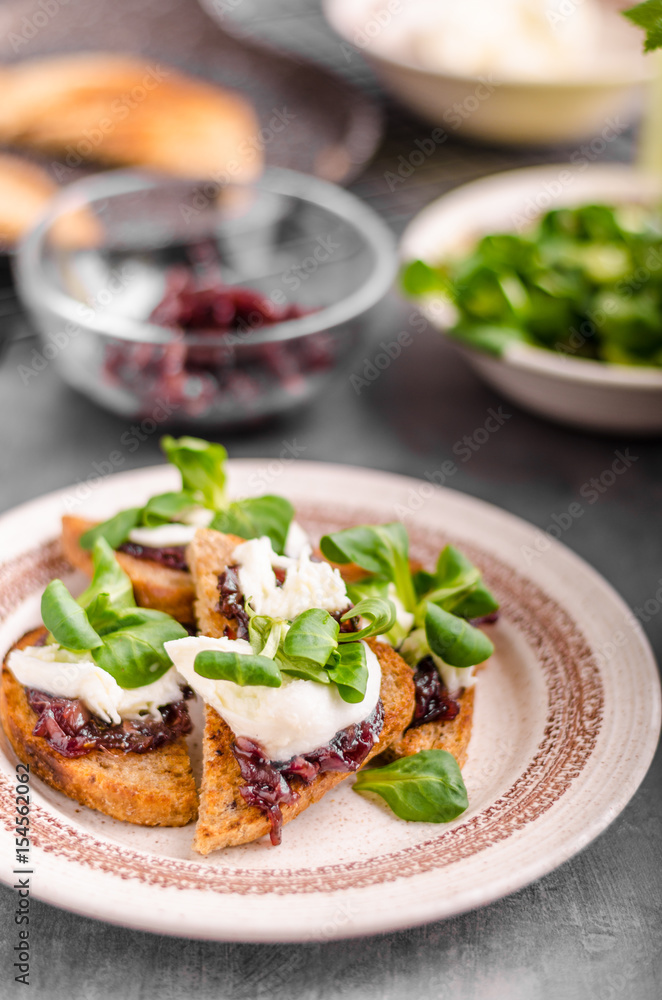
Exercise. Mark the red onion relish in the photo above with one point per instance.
(171, 556)
(270, 784)
(231, 603)
(71, 729)
(196, 376)
(432, 698)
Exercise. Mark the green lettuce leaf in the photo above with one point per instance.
(255, 517)
(243, 669)
(424, 788)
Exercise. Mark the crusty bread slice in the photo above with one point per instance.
(209, 554)
(453, 735)
(25, 190)
(226, 819)
(175, 123)
(154, 585)
(151, 789)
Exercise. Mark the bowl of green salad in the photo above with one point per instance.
(549, 280)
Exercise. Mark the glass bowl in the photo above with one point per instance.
(316, 263)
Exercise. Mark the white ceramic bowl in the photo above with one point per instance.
(576, 391)
(561, 110)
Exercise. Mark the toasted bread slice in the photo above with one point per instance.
(154, 585)
(151, 789)
(453, 735)
(209, 554)
(226, 819)
(131, 113)
(25, 190)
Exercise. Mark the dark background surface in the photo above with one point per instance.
(592, 930)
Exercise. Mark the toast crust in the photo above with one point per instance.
(209, 554)
(453, 735)
(151, 789)
(154, 586)
(226, 819)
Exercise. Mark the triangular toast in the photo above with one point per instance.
(225, 818)
(151, 789)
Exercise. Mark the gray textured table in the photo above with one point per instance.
(592, 930)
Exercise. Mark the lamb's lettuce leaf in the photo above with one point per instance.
(202, 468)
(243, 669)
(648, 15)
(255, 517)
(381, 549)
(426, 787)
(349, 671)
(121, 638)
(453, 639)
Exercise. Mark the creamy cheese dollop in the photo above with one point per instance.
(308, 584)
(404, 618)
(297, 540)
(198, 517)
(455, 678)
(60, 673)
(182, 533)
(295, 718)
(164, 535)
(178, 532)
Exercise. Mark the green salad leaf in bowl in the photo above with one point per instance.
(583, 281)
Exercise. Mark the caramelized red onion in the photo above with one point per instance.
(71, 729)
(271, 784)
(171, 556)
(231, 371)
(231, 603)
(432, 698)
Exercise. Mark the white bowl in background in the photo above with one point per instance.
(593, 395)
(514, 110)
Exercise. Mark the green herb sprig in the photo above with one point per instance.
(568, 283)
(648, 15)
(426, 787)
(202, 467)
(441, 601)
(121, 638)
(311, 648)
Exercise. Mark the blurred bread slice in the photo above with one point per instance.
(124, 111)
(25, 191)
